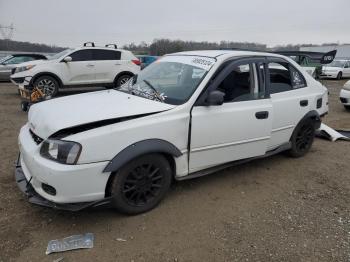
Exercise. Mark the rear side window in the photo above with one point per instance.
(298, 80)
(99, 54)
(284, 77)
(82, 55)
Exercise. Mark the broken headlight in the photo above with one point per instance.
(65, 152)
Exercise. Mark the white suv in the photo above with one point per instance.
(84, 66)
(186, 115)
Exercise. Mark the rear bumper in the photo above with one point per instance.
(33, 197)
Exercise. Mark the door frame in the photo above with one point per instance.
(220, 75)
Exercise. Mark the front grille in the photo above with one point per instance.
(36, 138)
(343, 100)
(18, 80)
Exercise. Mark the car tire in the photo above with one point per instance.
(302, 138)
(48, 85)
(141, 184)
(25, 106)
(347, 107)
(339, 76)
(121, 80)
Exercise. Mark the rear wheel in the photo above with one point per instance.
(339, 76)
(302, 138)
(48, 85)
(140, 185)
(121, 80)
(347, 107)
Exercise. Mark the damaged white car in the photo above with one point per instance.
(186, 115)
(345, 95)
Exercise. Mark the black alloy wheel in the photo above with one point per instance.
(141, 184)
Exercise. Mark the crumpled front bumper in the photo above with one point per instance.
(34, 198)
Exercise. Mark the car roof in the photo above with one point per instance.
(224, 53)
(100, 48)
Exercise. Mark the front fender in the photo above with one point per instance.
(141, 148)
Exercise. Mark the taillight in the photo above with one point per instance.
(136, 62)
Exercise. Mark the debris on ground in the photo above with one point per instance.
(58, 259)
(329, 133)
(121, 239)
(70, 243)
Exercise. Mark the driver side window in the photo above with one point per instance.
(240, 84)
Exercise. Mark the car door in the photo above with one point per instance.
(107, 65)
(290, 99)
(79, 71)
(240, 127)
(346, 70)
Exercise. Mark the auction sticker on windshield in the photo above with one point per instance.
(201, 62)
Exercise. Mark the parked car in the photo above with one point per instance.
(146, 60)
(188, 115)
(337, 69)
(311, 61)
(345, 95)
(79, 67)
(9, 63)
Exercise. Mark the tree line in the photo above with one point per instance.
(158, 47)
(10, 45)
(161, 47)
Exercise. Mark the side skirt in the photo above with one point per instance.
(214, 169)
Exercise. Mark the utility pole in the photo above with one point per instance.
(7, 33)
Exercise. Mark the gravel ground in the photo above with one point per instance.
(275, 209)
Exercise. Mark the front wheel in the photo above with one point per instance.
(339, 76)
(302, 138)
(347, 107)
(140, 185)
(48, 85)
(121, 80)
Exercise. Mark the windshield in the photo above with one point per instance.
(3, 59)
(337, 64)
(60, 54)
(172, 79)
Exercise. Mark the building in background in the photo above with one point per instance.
(343, 51)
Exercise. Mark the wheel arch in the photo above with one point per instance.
(144, 147)
(35, 77)
(123, 73)
(314, 115)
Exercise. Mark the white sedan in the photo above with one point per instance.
(337, 69)
(345, 95)
(186, 115)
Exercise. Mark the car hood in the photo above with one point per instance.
(49, 117)
(35, 62)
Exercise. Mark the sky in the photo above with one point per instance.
(69, 23)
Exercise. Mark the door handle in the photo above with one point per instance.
(90, 65)
(262, 115)
(304, 102)
(117, 64)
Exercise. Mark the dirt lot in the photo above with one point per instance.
(276, 209)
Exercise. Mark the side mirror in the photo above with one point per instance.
(215, 98)
(67, 59)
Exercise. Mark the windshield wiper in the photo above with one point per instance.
(158, 95)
